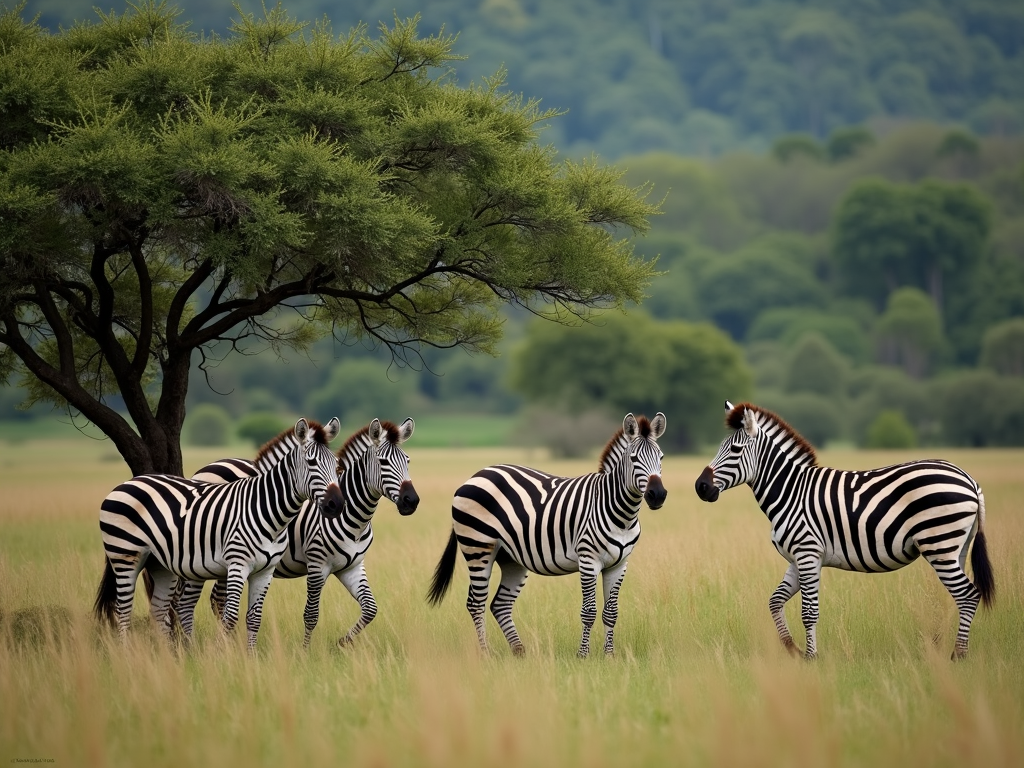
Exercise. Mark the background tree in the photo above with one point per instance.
(162, 192)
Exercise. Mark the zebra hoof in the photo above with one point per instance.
(519, 650)
(344, 642)
(959, 654)
(582, 653)
(810, 657)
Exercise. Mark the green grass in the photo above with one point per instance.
(698, 678)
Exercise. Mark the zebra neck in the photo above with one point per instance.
(777, 472)
(622, 503)
(360, 498)
(278, 488)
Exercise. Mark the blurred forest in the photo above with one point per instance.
(842, 238)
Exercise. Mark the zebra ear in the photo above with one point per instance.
(658, 424)
(629, 426)
(375, 431)
(749, 422)
(728, 407)
(301, 431)
(332, 429)
(405, 430)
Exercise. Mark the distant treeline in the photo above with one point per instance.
(702, 76)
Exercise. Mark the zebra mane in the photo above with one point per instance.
(804, 449)
(286, 440)
(616, 444)
(356, 445)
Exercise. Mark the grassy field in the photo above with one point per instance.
(699, 677)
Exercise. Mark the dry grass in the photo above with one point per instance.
(699, 677)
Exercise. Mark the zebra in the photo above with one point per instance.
(371, 464)
(527, 520)
(199, 531)
(872, 521)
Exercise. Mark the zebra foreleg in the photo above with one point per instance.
(357, 585)
(315, 578)
(809, 571)
(588, 614)
(258, 584)
(777, 605)
(237, 575)
(513, 578)
(611, 582)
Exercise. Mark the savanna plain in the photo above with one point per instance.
(698, 678)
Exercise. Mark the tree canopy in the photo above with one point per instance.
(162, 193)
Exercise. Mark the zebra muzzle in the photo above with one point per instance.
(408, 499)
(705, 485)
(655, 494)
(333, 502)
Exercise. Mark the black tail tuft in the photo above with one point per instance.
(443, 572)
(106, 595)
(983, 577)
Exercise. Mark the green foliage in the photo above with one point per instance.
(789, 324)
(634, 364)
(847, 142)
(360, 390)
(565, 434)
(890, 429)
(981, 408)
(816, 417)
(958, 143)
(207, 425)
(890, 235)
(163, 193)
(261, 426)
(909, 333)
(815, 366)
(875, 389)
(792, 146)
(1002, 348)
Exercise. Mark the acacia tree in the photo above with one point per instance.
(163, 193)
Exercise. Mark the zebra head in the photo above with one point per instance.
(643, 457)
(737, 457)
(316, 466)
(389, 464)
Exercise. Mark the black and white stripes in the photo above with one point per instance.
(871, 521)
(178, 528)
(527, 520)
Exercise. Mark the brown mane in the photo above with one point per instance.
(315, 427)
(645, 429)
(390, 432)
(734, 420)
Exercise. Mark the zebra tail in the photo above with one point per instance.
(983, 578)
(106, 595)
(443, 572)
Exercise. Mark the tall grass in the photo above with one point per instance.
(699, 677)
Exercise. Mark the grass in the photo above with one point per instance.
(698, 679)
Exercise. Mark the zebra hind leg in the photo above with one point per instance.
(809, 570)
(357, 585)
(777, 605)
(186, 606)
(480, 560)
(948, 565)
(160, 603)
(218, 598)
(513, 578)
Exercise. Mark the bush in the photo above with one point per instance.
(980, 408)
(875, 389)
(261, 427)
(890, 429)
(815, 366)
(1002, 348)
(206, 425)
(566, 435)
